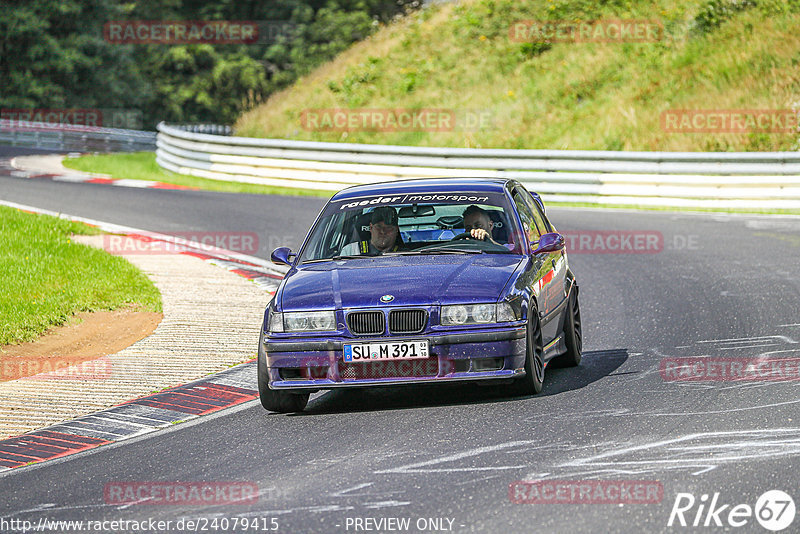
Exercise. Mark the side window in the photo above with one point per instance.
(528, 220)
(329, 237)
(541, 223)
(550, 227)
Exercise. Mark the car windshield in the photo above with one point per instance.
(414, 224)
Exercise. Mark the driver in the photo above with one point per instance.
(384, 234)
(478, 223)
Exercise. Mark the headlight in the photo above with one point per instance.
(484, 313)
(477, 314)
(454, 315)
(317, 321)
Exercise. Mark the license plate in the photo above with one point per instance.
(397, 350)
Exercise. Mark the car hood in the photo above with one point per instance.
(412, 280)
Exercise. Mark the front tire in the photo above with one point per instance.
(532, 382)
(276, 401)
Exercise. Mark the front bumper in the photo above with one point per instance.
(314, 363)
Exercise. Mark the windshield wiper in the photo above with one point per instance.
(348, 257)
(442, 251)
(333, 258)
(405, 253)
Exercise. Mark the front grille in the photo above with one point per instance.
(460, 366)
(366, 323)
(303, 373)
(487, 364)
(378, 369)
(407, 321)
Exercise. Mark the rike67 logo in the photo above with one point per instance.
(774, 510)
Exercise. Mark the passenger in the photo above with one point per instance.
(384, 235)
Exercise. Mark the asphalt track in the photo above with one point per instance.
(720, 286)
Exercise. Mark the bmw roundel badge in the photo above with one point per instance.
(387, 298)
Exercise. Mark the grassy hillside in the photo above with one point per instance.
(717, 54)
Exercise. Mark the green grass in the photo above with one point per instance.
(716, 54)
(46, 277)
(143, 166)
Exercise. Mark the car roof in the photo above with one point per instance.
(424, 185)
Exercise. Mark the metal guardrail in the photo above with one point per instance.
(768, 180)
(60, 137)
(749, 180)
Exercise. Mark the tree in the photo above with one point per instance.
(54, 55)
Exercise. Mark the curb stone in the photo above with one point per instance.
(50, 167)
(134, 418)
(178, 403)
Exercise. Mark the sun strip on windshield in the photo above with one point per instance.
(411, 198)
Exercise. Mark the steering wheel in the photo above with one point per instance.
(465, 235)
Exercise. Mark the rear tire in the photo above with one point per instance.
(276, 401)
(573, 333)
(532, 382)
